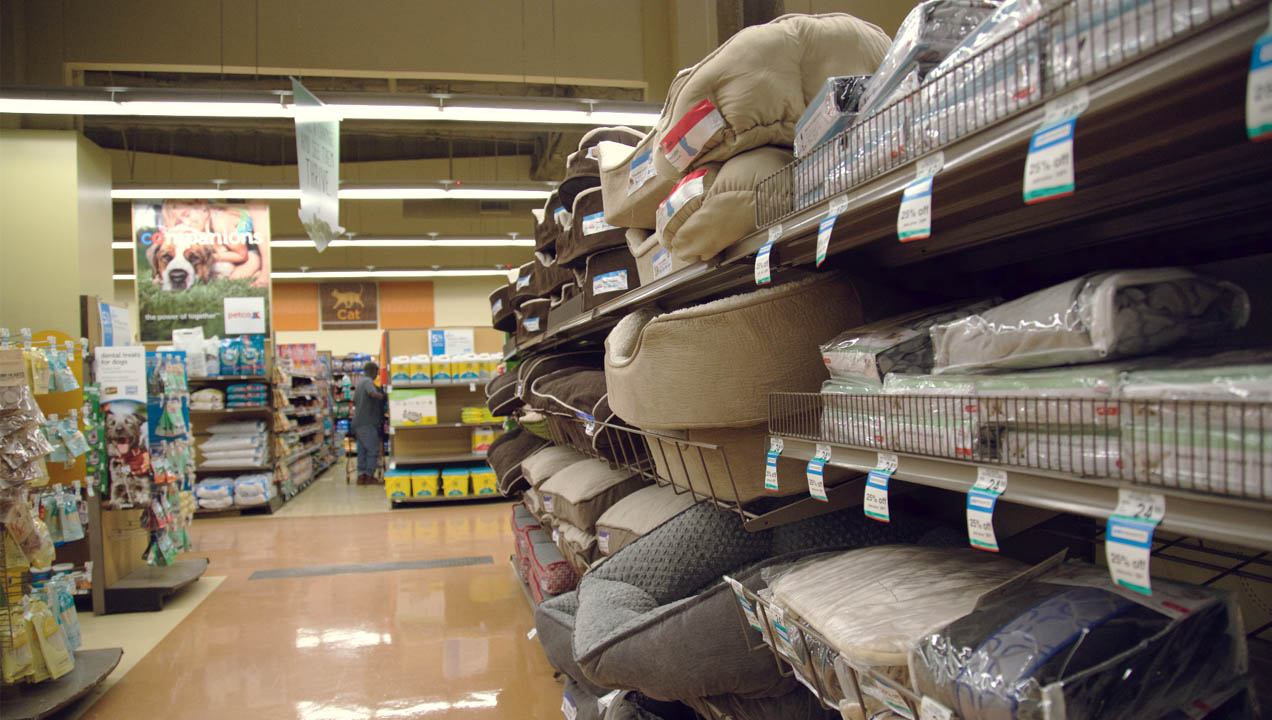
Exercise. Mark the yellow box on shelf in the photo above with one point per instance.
(455, 481)
(397, 483)
(424, 482)
(484, 480)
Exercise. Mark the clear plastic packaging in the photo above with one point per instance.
(900, 344)
(1074, 450)
(1095, 317)
(1070, 644)
(833, 110)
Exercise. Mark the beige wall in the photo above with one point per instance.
(339, 342)
(54, 206)
(463, 302)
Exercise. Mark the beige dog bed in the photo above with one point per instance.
(633, 181)
(713, 365)
(638, 514)
(714, 206)
(753, 89)
(577, 546)
(582, 492)
(732, 473)
(547, 462)
(582, 170)
(653, 261)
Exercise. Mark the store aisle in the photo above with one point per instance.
(332, 494)
(324, 643)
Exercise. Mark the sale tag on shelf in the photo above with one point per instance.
(914, 219)
(930, 709)
(814, 473)
(747, 608)
(1049, 165)
(990, 483)
(776, 445)
(763, 273)
(1128, 539)
(1259, 90)
(875, 503)
(827, 227)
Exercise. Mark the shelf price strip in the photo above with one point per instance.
(1259, 87)
(776, 445)
(1128, 539)
(827, 227)
(914, 219)
(763, 273)
(1049, 165)
(815, 472)
(981, 499)
(875, 502)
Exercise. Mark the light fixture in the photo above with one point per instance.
(381, 243)
(164, 102)
(346, 193)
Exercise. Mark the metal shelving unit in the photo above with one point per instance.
(396, 460)
(441, 499)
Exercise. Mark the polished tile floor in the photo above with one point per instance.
(448, 642)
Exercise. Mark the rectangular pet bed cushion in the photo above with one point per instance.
(590, 232)
(655, 364)
(532, 318)
(549, 568)
(634, 180)
(501, 394)
(653, 261)
(577, 546)
(639, 514)
(1096, 317)
(549, 461)
(582, 492)
(538, 366)
(505, 455)
(523, 287)
(608, 274)
(582, 167)
(750, 91)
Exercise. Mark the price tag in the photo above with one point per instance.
(568, 709)
(930, 709)
(639, 171)
(990, 483)
(888, 696)
(776, 445)
(763, 275)
(814, 473)
(1259, 90)
(887, 462)
(914, 220)
(1049, 165)
(547, 505)
(602, 541)
(1128, 539)
(556, 535)
(747, 608)
(781, 632)
(827, 226)
(875, 503)
(604, 702)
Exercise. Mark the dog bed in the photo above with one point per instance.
(1101, 316)
(714, 206)
(540, 365)
(501, 316)
(653, 261)
(634, 181)
(656, 618)
(582, 492)
(547, 228)
(532, 318)
(582, 169)
(523, 287)
(753, 89)
(655, 364)
(549, 279)
(551, 573)
(554, 621)
(547, 462)
(501, 394)
(585, 419)
(578, 546)
(523, 521)
(534, 503)
(608, 274)
(590, 233)
(505, 456)
(798, 704)
(637, 515)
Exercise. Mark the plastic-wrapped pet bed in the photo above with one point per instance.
(655, 364)
(832, 111)
(590, 232)
(608, 274)
(523, 521)
(713, 207)
(505, 456)
(1070, 644)
(751, 90)
(551, 573)
(655, 617)
(1096, 317)
(547, 462)
(639, 514)
(582, 492)
(501, 315)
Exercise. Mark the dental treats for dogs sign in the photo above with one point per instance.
(121, 374)
(201, 263)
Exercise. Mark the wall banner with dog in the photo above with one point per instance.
(193, 255)
(121, 374)
(348, 306)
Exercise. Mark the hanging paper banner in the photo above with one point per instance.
(318, 165)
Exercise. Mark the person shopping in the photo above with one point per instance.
(368, 420)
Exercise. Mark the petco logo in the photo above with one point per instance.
(243, 315)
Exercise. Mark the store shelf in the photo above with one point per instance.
(394, 461)
(295, 411)
(525, 589)
(147, 587)
(442, 499)
(395, 428)
(234, 411)
(300, 454)
(302, 432)
(470, 385)
(276, 501)
(233, 468)
(230, 378)
(49, 698)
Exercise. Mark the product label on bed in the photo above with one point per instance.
(1259, 91)
(930, 709)
(556, 535)
(662, 263)
(875, 503)
(496, 306)
(763, 275)
(888, 696)
(609, 282)
(568, 708)
(562, 216)
(523, 282)
(589, 422)
(595, 223)
(776, 445)
(1128, 539)
(602, 541)
(685, 140)
(990, 483)
(914, 220)
(531, 325)
(747, 608)
(690, 187)
(547, 505)
(782, 632)
(815, 473)
(640, 170)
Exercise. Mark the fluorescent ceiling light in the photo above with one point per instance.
(152, 103)
(383, 243)
(123, 276)
(368, 193)
(355, 274)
